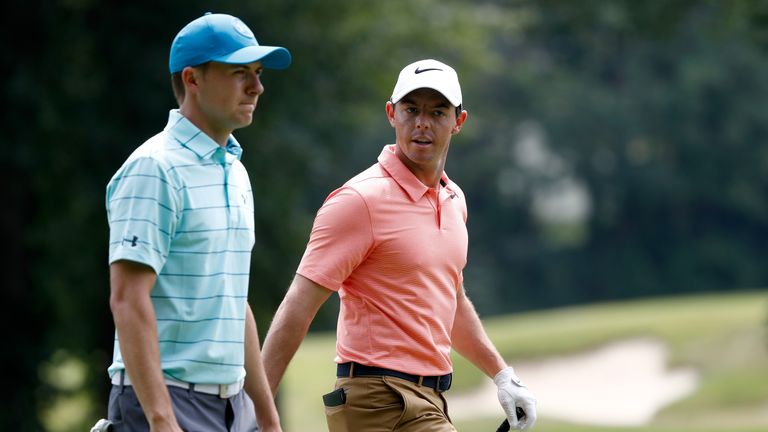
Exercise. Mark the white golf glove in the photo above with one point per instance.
(513, 394)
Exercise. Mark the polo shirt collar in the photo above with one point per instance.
(191, 137)
(403, 176)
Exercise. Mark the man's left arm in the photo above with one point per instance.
(256, 379)
(471, 341)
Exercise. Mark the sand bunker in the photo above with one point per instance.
(621, 384)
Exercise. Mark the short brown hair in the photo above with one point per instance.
(178, 87)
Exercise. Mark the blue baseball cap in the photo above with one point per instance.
(225, 39)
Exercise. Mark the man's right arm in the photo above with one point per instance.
(290, 326)
(136, 324)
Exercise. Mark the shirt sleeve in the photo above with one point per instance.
(142, 211)
(341, 238)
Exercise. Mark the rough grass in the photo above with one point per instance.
(722, 335)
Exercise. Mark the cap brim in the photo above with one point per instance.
(270, 57)
(396, 97)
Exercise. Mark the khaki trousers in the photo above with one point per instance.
(379, 404)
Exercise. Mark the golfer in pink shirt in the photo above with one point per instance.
(392, 241)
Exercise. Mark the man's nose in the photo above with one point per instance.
(422, 120)
(255, 85)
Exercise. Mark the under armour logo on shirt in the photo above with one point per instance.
(132, 241)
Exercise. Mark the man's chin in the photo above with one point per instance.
(244, 121)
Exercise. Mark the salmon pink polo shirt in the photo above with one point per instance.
(394, 249)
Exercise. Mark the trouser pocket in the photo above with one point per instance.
(335, 402)
(424, 410)
(125, 412)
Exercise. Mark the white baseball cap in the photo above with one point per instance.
(428, 74)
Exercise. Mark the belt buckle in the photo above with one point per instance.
(226, 391)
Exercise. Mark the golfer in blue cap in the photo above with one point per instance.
(180, 210)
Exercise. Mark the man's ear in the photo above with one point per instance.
(390, 108)
(190, 76)
(459, 122)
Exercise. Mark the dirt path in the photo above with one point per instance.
(621, 384)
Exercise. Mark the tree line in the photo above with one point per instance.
(614, 149)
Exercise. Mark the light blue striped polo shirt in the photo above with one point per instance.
(183, 205)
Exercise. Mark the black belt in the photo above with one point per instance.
(439, 383)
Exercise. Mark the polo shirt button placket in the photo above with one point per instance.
(434, 199)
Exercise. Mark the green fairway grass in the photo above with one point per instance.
(721, 335)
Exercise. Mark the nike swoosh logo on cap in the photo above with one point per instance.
(418, 70)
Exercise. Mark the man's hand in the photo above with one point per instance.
(512, 393)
